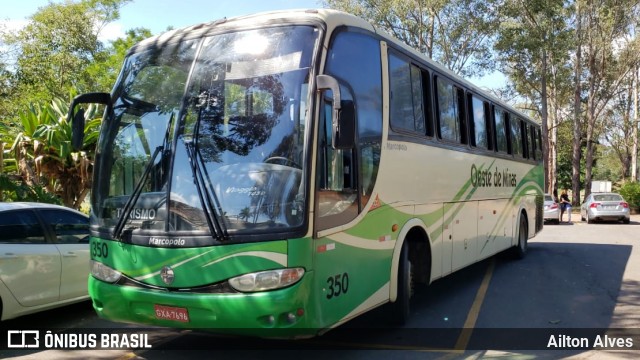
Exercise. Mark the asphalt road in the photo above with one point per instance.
(577, 282)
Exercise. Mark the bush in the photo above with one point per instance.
(12, 190)
(631, 193)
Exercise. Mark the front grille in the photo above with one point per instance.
(222, 287)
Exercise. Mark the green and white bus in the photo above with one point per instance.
(285, 172)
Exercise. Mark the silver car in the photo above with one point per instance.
(44, 257)
(551, 210)
(605, 206)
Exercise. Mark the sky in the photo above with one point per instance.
(158, 15)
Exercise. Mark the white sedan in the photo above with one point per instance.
(44, 257)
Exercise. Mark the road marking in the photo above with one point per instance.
(474, 311)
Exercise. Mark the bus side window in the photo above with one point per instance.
(538, 142)
(406, 108)
(499, 117)
(336, 174)
(478, 123)
(447, 104)
(516, 136)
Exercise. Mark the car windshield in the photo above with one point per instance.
(234, 104)
(548, 198)
(607, 197)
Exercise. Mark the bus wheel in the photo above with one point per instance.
(400, 309)
(520, 250)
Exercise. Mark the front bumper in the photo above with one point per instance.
(552, 215)
(595, 214)
(277, 313)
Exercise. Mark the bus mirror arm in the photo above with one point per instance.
(77, 119)
(343, 120)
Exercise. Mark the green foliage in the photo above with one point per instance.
(43, 158)
(104, 71)
(564, 156)
(54, 53)
(455, 33)
(12, 190)
(630, 191)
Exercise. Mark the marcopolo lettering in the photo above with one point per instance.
(166, 241)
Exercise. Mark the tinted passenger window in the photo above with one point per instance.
(501, 132)
(516, 137)
(479, 123)
(538, 141)
(69, 228)
(406, 96)
(20, 227)
(447, 115)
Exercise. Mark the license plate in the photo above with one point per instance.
(171, 313)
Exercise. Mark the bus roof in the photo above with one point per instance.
(332, 18)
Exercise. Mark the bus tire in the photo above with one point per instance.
(400, 309)
(520, 251)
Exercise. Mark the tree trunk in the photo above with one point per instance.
(634, 128)
(577, 131)
(591, 124)
(545, 126)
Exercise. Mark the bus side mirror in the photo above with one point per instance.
(343, 119)
(77, 118)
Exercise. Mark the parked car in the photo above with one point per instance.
(551, 210)
(605, 206)
(44, 257)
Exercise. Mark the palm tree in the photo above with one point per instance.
(43, 156)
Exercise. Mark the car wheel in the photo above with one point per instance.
(626, 220)
(589, 220)
(520, 251)
(581, 216)
(400, 309)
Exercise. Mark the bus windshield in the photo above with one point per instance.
(226, 118)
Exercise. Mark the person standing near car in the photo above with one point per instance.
(565, 205)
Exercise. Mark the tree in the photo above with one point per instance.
(455, 33)
(56, 54)
(54, 50)
(576, 153)
(621, 126)
(608, 63)
(104, 71)
(532, 44)
(42, 153)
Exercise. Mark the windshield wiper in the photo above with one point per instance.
(211, 205)
(133, 199)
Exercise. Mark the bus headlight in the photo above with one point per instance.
(266, 280)
(102, 272)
